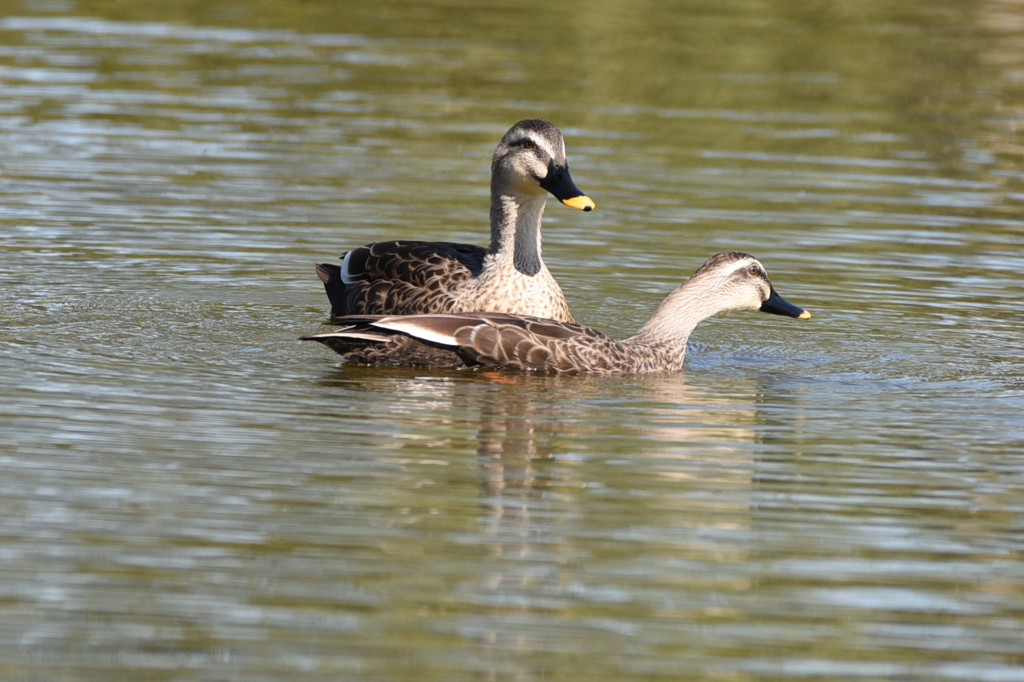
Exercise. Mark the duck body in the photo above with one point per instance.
(726, 282)
(461, 340)
(412, 277)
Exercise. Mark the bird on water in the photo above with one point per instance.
(408, 277)
(726, 282)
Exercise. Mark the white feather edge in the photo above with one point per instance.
(409, 326)
(348, 334)
(345, 277)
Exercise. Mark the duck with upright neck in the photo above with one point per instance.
(726, 282)
(416, 277)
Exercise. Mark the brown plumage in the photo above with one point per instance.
(411, 277)
(726, 282)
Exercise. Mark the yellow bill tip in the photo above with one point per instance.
(582, 202)
(805, 315)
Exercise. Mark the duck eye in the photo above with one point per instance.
(754, 271)
(528, 144)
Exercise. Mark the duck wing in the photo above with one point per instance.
(516, 342)
(487, 340)
(359, 341)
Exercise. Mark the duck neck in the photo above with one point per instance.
(672, 323)
(515, 232)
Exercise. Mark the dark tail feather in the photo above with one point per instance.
(330, 275)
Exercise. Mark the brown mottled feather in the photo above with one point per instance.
(401, 277)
